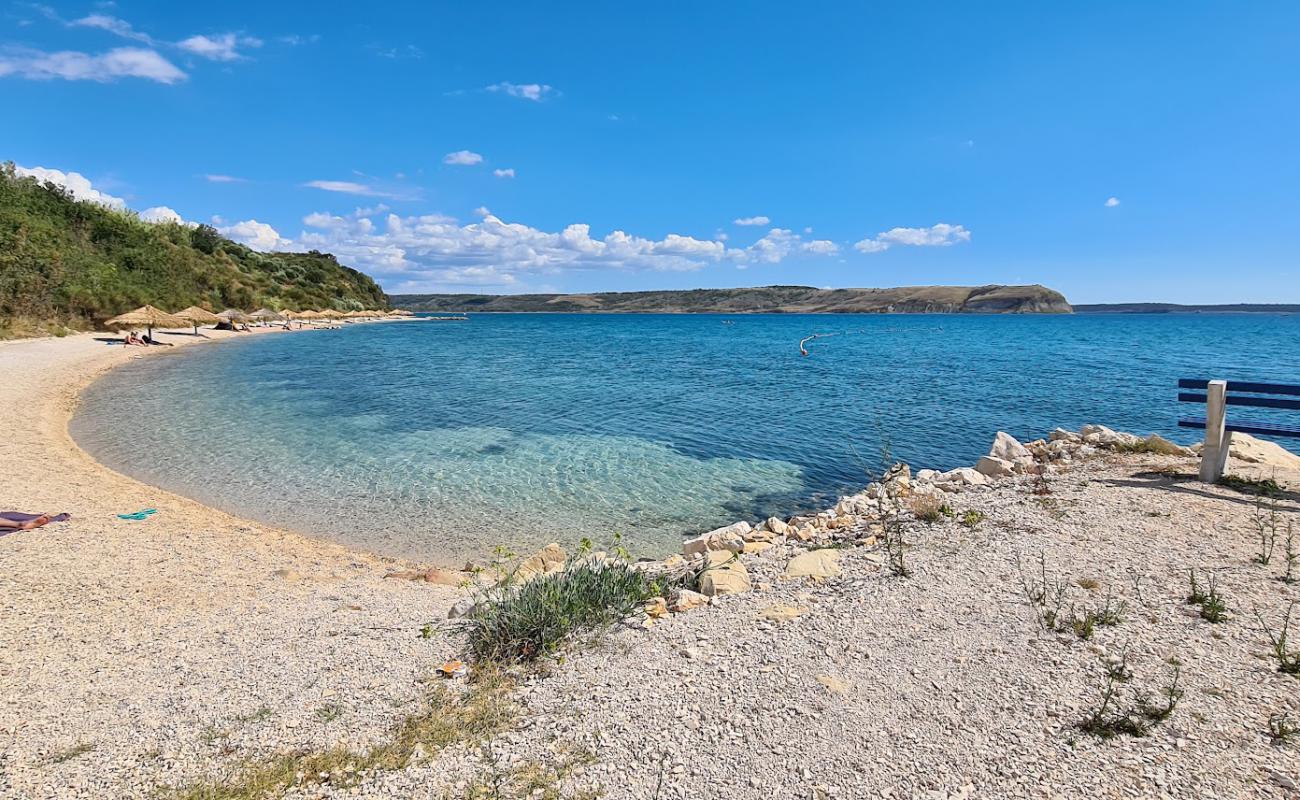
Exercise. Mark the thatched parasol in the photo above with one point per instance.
(330, 313)
(233, 315)
(198, 316)
(309, 314)
(266, 313)
(149, 317)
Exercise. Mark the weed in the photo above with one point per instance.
(1282, 729)
(928, 508)
(895, 545)
(1265, 487)
(1266, 526)
(1091, 584)
(71, 753)
(1195, 596)
(426, 631)
(972, 518)
(1048, 599)
(533, 620)
(1041, 486)
(527, 781)
(260, 715)
(1118, 669)
(1108, 720)
(1291, 556)
(445, 718)
(1213, 607)
(329, 712)
(1288, 661)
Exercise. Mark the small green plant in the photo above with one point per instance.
(972, 518)
(533, 620)
(1047, 599)
(1288, 661)
(329, 712)
(1266, 527)
(426, 631)
(71, 753)
(1109, 720)
(1289, 553)
(1282, 729)
(1118, 669)
(1041, 487)
(895, 545)
(1264, 487)
(1213, 607)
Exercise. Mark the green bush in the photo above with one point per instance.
(533, 620)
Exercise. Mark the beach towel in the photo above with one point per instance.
(19, 516)
(138, 515)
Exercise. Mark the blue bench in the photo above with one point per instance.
(1216, 396)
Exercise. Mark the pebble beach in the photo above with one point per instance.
(138, 656)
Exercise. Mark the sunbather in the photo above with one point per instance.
(18, 521)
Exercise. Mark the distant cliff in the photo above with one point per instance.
(764, 299)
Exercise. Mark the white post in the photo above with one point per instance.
(1215, 455)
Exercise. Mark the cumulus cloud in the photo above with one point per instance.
(423, 253)
(71, 65)
(940, 235)
(218, 47)
(76, 183)
(1111, 202)
(525, 91)
(257, 235)
(464, 158)
(509, 172)
(161, 214)
(748, 221)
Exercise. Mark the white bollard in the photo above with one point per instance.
(1215, 455)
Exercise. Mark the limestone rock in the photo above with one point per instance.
(1006, 447)
(833, 684)
(462, 608)
(685, 600)
(779, 527)
(782, 613)
(1155, 443)
(730, 538)
(1258, 451)
(752, 548)
(963, 476)
(926, 475)
(549, 559)
(724, 574)
(1062, 435)
(815, 564)
(995, 467)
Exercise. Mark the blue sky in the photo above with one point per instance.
(1113, 150)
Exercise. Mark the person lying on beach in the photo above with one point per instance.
(18, 521)
(150, 340)
(133, 338)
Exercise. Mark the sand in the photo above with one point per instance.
(138, 640)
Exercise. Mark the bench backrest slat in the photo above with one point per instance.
(1240, 400)
(1243, 386)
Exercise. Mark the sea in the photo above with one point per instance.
(443, 441)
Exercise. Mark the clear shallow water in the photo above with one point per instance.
(439, 440)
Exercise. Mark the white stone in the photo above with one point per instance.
(1006, 447)
(731, 538)
(926, 475)
(995, 467)
(963, 476)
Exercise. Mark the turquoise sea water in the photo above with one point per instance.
(439, 440)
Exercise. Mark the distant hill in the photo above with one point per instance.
(763, 299)
(1174, 308)
(70, 262)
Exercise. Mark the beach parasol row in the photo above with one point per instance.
(150, 317)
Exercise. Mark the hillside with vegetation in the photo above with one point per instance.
(66, 263)
(764, 299)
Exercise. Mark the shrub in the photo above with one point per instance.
(533, 620)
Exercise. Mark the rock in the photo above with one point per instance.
(752, 548)
(833, 684)
(288, 574)
(549, 559)
(724, 574)
(995, 467)
(1007, 448)
(926, 475)
(443, 577)
(1062, 435)
(782, 613)
(685, 600)
(779, 527)
(815, 564)
(1257, 451)
(730, 538)
(962, 476)
(1155, 443)
(657, 608)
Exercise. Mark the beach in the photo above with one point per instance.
(134, 637)
(142, 655)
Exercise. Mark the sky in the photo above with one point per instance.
(1115, 151)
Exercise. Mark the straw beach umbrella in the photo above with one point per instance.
(147, 316)
(233, 315)
(198, 316)
(266, 313)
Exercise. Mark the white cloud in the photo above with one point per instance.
(509, 172)
(161, 214)
(350, 187)
(1111, 202)
(257, 235)
(76, 183)
(113, 25)
(224, 179)
(821, 247)
(464, 158)
(121, 62)
(482, 211)
(747, 221)
(218, 47)
(940, 235)
(526, 91)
